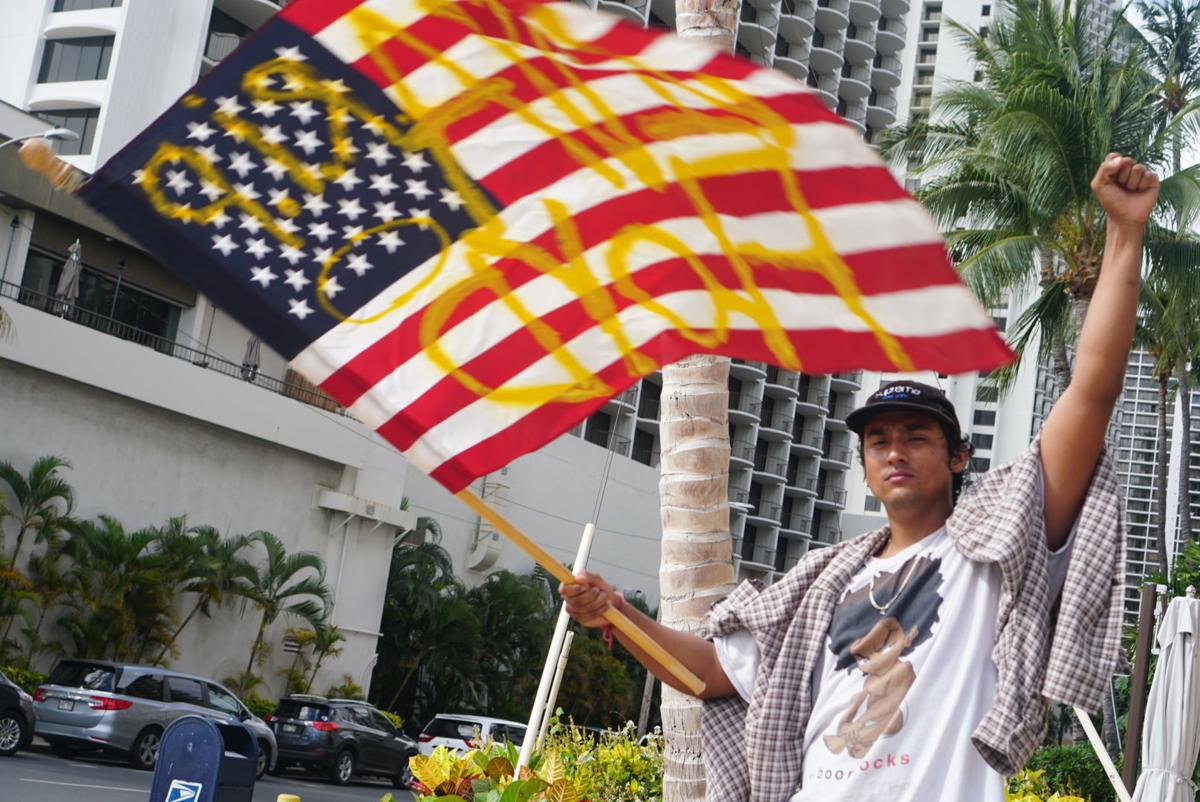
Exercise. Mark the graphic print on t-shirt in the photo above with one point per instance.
(872, 629)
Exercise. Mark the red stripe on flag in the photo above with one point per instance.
(399, 59)
(314, 16)
(823, 351)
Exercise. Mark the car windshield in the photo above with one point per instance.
(450, 728)
(302, 710)
(79, 674)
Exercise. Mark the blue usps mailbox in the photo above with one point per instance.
(204, 761)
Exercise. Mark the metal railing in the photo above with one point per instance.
(221, 45)
(838, 454)
(771, 465)
(807, 437)
(783, 378)
(802, 480)
(767, 509)
(292, 386)
(833, 494)
(742, 449)
(744, 402)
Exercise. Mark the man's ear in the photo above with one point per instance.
(958, 463)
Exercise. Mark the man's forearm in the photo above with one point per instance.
(1103, 346)
(699, 655)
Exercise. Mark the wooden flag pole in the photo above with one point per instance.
(543, 558)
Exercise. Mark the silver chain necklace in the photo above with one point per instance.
(911, 565)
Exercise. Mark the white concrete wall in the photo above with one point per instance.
(151, 436)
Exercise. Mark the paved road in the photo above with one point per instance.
(38, 776)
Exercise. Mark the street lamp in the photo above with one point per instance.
(54, 135)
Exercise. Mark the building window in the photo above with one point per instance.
(927, 55)
(985, 417)
(987, 393)
(982, 441)
(980, 464)
(83, 59)
(84, 5)
(871, 504)
(986, 11)
(81, 121)
(978, 76)
(983, 29)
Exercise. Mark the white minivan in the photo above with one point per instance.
(458, 731)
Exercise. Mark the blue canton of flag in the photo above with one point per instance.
(292, 184)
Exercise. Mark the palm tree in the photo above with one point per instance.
(39, 500)
(216, 573)
(286, 584)
(1010, 160)
(326, 637)
(1172, 43)
(123, 590)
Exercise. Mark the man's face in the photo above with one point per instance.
(906, 460)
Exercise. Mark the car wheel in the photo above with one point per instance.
(280, 768)
(343, 767)
(144, 751)
(63, 750)
(264, 759)
(12, 731)
(404, 778)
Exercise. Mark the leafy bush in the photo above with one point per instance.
(258, 705)
(397, 721)
(28, 680)
(1073, 768)
(1031, 786)
(573, 765)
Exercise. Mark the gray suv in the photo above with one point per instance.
(95, 704)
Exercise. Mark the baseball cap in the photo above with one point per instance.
(905, 396)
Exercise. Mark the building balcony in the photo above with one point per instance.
(634, 15)
(793, 67)
(782, 383)
(772, 468)
(648, 409)
(801, 483)
(889, 37)
(887, 75)
(744, 408)
(739, 500)
(859, 51)
(744, 369)
(847, 382)
(855, 88)
(831, 497)
(795, 28)
(894, 8)
(856, 124)
(838, 456)
(742, 452)
(778, 427)
(252, 13)
(814, 404)
(882, 112)
(825, 57)
(863, 12)
(832, 15)
(827, 535)
(763, 512)
(807, 439)
(756, 38)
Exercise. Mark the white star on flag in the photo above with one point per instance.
(296, 279)
(300, 308)
(418, 189)
(224, 244)
(263, 276)
(359, 264)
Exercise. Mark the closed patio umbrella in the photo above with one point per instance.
(250, 359)
(1171, 737)
(67, 291)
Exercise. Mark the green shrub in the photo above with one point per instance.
(397, 721)
(1075, 769)
(258, 705)
(28, 680)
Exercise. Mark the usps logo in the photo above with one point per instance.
(181, 791)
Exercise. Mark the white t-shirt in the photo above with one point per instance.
(899, 690)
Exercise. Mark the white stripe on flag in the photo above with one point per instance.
(350, 41)
(929, 311)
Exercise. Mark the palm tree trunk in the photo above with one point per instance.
(1185, 470)
(1060, 364)
(262, 628)
(167, 646)
(712, 21)
(697, 551)
(1160, 475)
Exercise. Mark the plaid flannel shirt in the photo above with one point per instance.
(755, 751)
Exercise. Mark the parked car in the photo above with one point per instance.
(464, 731)
(16, 716)
(123, 708)
(341, 738)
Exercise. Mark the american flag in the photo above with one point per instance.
(474, 221)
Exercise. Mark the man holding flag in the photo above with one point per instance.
(914, 662)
